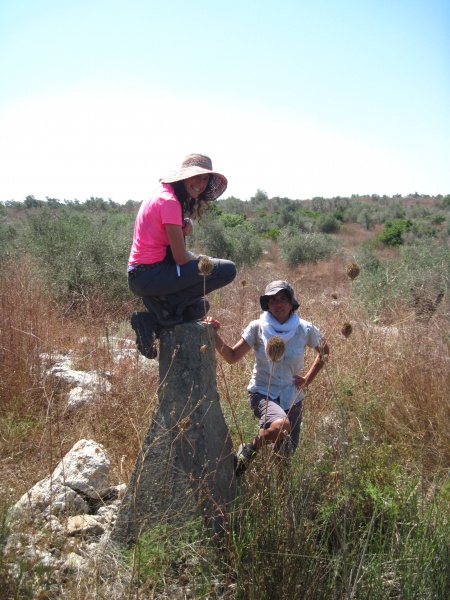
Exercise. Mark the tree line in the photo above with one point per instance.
(84, 246)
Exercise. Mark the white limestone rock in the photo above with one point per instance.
(47, 498)
(74, 563)
(83, 473)
(85, 385)
(85, 468)
(84, 525)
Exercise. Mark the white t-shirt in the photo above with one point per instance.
(280, 374)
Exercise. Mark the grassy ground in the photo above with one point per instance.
(361, 510)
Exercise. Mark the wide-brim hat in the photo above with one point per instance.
(273, 288)
(197, 164)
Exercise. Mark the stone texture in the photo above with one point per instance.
(47, 498)
(84, 525)
(185, 467)
(85, 385)
(74, 563)
(85, 468)
(82, 473)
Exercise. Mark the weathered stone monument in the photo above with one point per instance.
(185, 467)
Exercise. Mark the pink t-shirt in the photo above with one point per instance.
(150, 238)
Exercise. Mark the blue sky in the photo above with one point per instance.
(297, 98)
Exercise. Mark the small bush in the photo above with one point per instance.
(8, 237)
(419, 278)
(303, 247)
(272, 233)
(238, 243)
(84, 255)
(392, 234)
(327, 224)
(421, 229)
(232, 220)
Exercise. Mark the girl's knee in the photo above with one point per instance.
(280, 427)
(228, 270)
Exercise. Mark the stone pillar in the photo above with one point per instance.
(185, 467)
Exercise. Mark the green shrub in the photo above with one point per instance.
(298, 247)
(368, 259)
(239, 243)
(303, 223)
(8, 237)
(339, 214)
(83, 254)
(211, 238)
(437, 219)
(425, 263)
(392, 234)
(366, 218)
(445, 203)
(420, 274)
(272, 233)
(306, 212)
(247, 247)
(327, 224)
(232, 220)
(421, 229)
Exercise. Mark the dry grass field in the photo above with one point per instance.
(371, 475)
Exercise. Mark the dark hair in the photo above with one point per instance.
(190, 206)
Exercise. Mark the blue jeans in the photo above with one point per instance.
(184, 289)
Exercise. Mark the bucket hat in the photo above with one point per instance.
(273, 288)
(197, 164)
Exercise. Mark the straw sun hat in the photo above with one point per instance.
(197, 164)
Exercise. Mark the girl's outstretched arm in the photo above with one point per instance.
(231, 354)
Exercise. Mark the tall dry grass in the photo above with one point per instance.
(36, 428)
(375, 436)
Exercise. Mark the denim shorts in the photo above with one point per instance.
(268, 411)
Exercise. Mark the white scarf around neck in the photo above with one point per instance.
(270, 327)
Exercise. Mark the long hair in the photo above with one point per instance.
(191, 207)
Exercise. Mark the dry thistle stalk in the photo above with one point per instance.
(185, 423)
(353, 270)
(205, 265)
(346, 330)
(275, 348)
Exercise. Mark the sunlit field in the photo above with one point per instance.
(360, 511)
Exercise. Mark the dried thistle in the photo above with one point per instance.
(184, 424)
(353, 270)
(205, 265)
(346, 330)
(275, 348)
